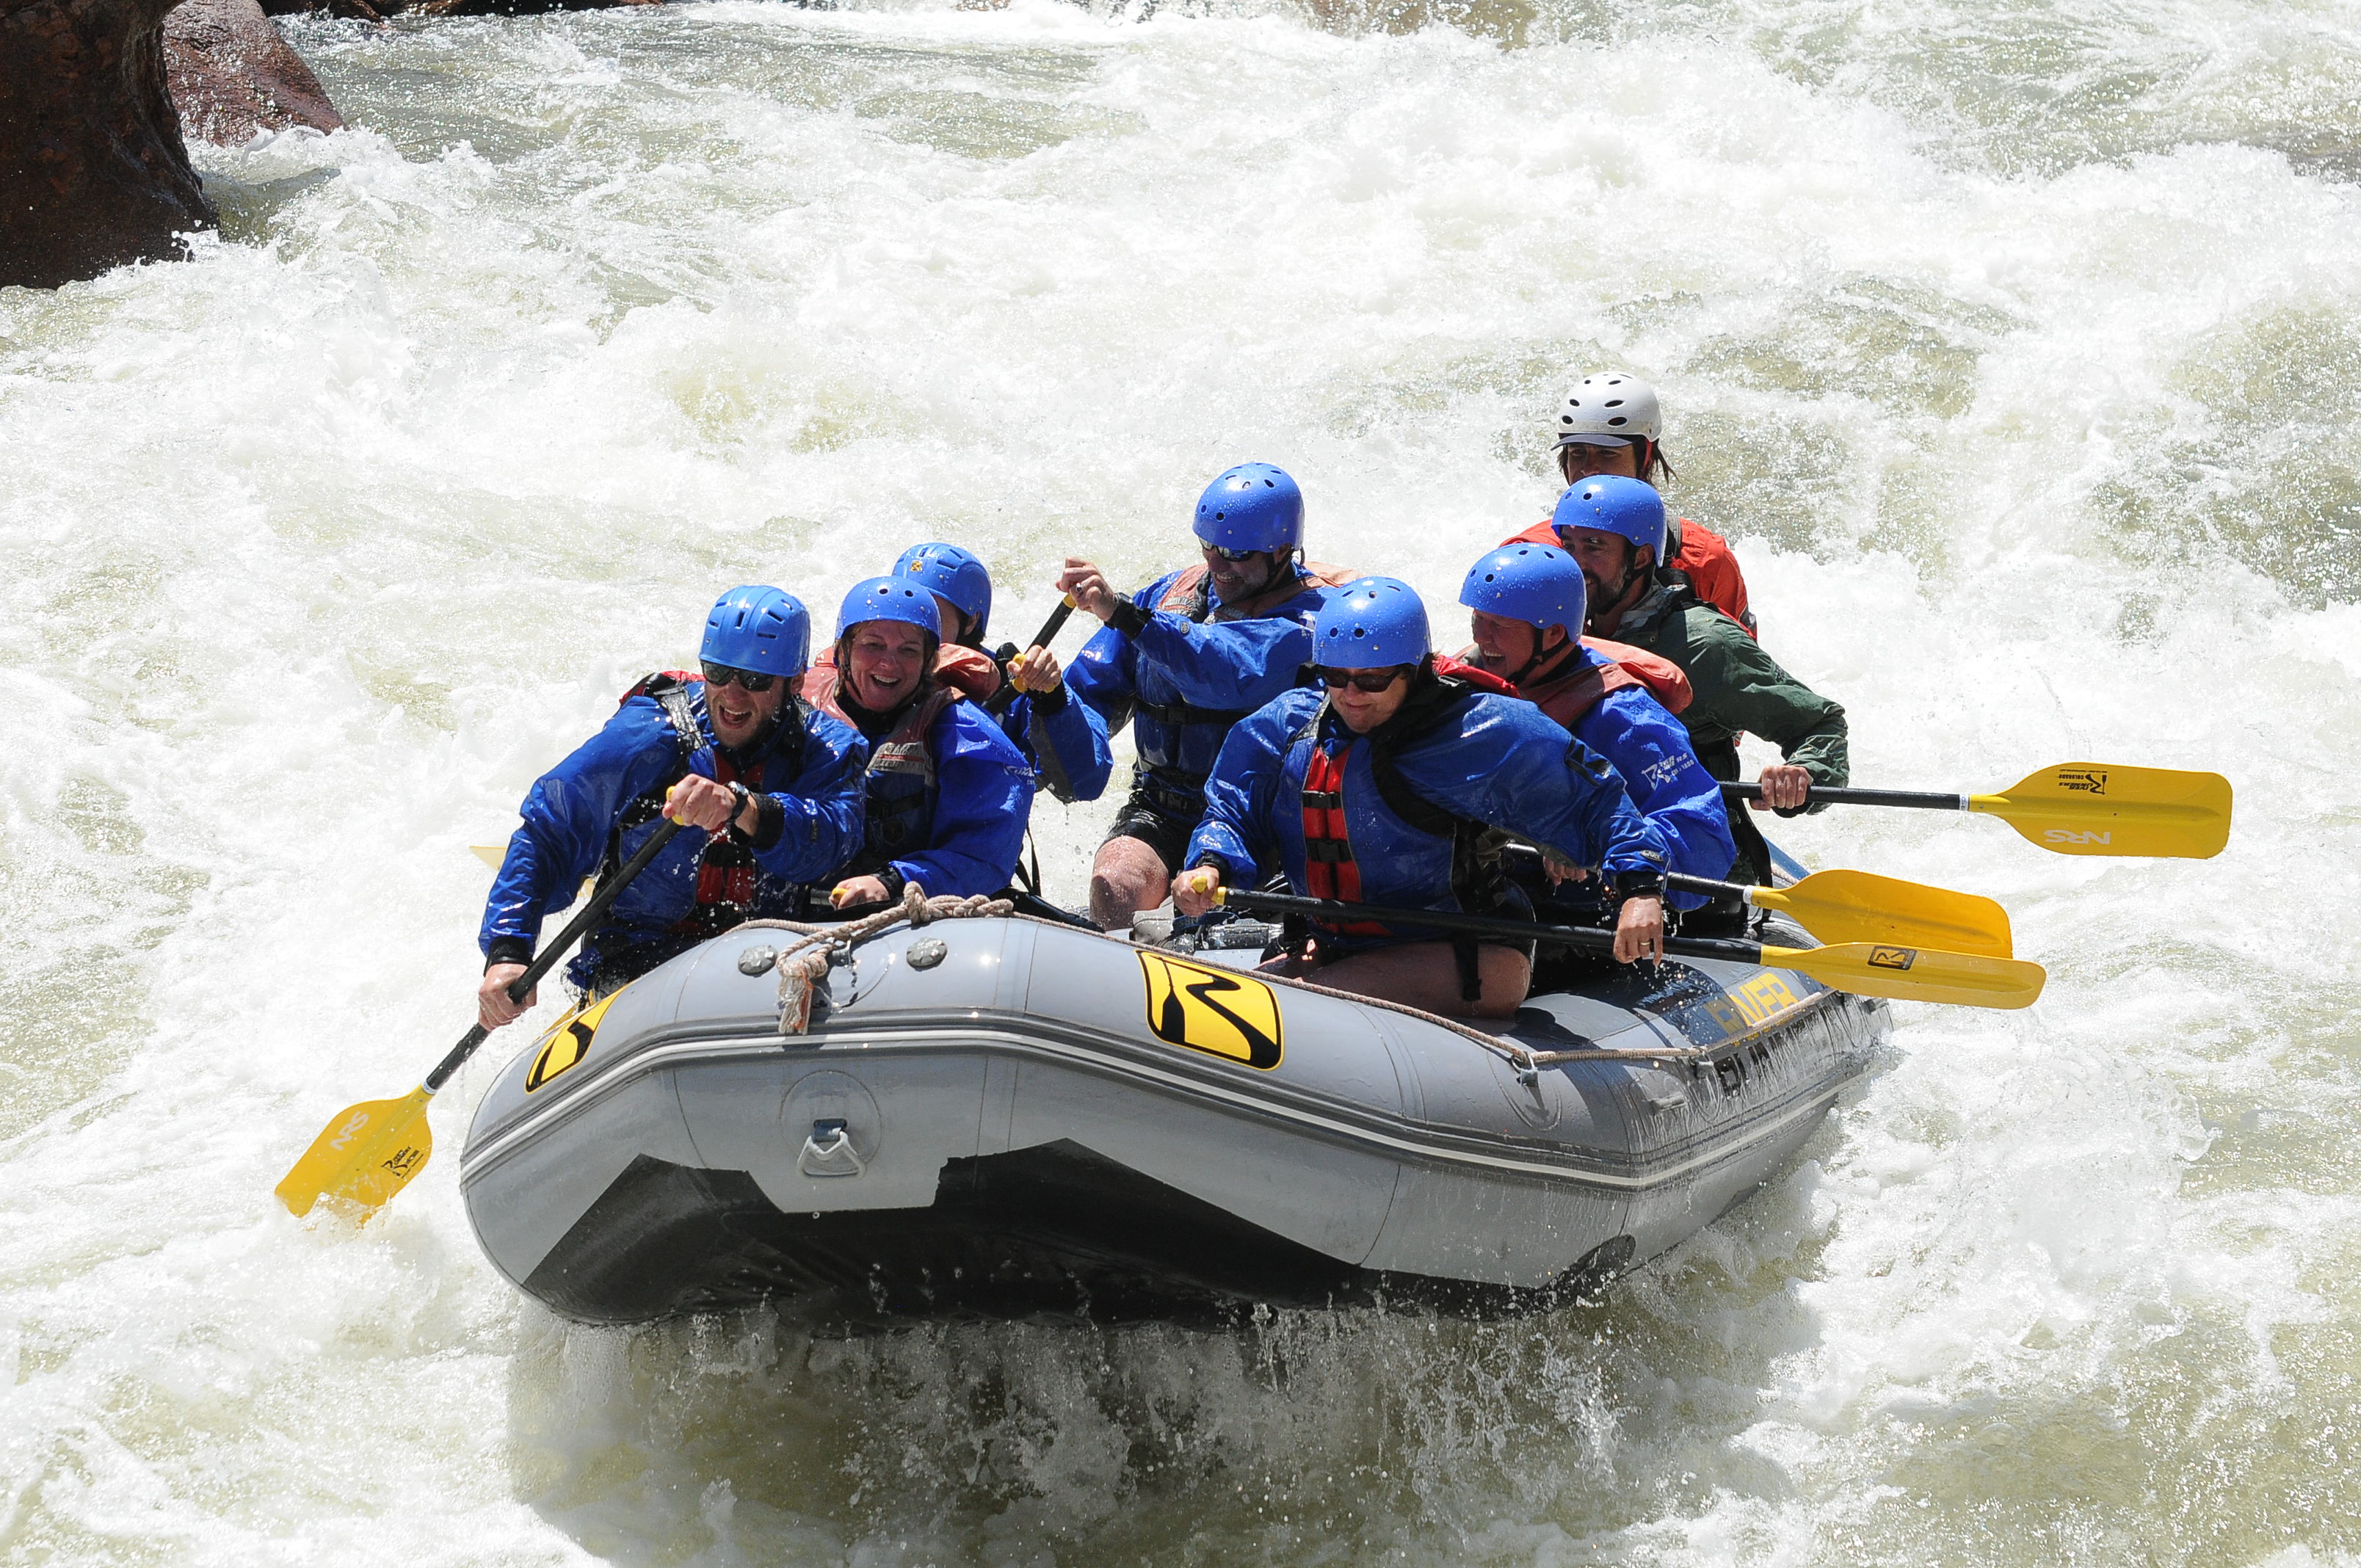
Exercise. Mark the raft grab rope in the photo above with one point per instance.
(801, 966)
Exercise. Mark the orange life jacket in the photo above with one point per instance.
(970, 671)
(1698, 553)
(1568, 697)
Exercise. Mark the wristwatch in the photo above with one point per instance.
(738, 795)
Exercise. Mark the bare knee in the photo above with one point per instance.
(1506, 978)
(1127, 877)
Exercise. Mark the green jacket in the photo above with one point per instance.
(1737, 688)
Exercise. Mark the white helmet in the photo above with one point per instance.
(1609, 410)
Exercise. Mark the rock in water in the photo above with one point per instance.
(233, 75)
(92, 170)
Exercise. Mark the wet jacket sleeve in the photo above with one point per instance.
(1235, 833)
(819, 815)
(1227, 664)
(1105, 673)
(1068, 742)
(1509, 765)
(1666, 783)
(568, 815)
(984, 798)
(1753, 695)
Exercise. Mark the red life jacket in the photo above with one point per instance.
(727, 876)
(1698, 553)
(1568, 697)
(1329, 869)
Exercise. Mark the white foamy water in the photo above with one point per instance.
(2014, 344)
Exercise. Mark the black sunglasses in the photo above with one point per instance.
(1370, 681)
(722, 675)
(1228, 554)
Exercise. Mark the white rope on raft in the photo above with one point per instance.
(803, 966)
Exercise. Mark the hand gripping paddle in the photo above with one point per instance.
(369, 1152)
(2078, 808)
(1009, 692)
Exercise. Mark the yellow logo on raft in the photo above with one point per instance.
(1757, 999)
(1212, 1010)
(568, 1043)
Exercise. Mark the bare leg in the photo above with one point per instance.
(1127, 878)
(1425, 975)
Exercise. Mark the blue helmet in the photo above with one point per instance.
(890, 598)
(1369, 624)
(1252, 507)
(953, 572)
(758, 628)
(1629, 506)
(1536, 584)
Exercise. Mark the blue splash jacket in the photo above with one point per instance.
(1494, 760)
(1182, 684)
(571, 818)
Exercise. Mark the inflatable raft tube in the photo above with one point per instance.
(1010, 1117)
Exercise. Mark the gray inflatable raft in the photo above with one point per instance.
(1011, 1117)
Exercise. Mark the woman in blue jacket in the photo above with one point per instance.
(1377, 792)
(947, 793)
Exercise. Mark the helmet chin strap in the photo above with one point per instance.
(1542, 655)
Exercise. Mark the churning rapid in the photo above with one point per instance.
(2012, 343)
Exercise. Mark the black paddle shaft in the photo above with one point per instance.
(547, 959)
(1821, 795)
(1673, 880)
(1594, 941)
(1041, 639)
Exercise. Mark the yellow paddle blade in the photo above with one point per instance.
(364, 1156)
(1916, 974)
(1857, 906)
(2097, 808)
(491, 854)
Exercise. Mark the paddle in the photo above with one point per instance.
(1866, 968)
(1857, 906)
(2078, 808)
(369, 1152)
(999, 700)
(1843, 906)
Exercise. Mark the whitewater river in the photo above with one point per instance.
(2015, 343)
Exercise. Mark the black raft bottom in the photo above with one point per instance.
(1054, 1231)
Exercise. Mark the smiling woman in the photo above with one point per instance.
(2012, 342)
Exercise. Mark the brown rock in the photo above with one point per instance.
(92, 170)
(233, 75)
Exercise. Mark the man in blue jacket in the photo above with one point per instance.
(1379, 792)
(949, 794)
(1526, 602)
(774, 787)
(1184, 660)
(1065, 740)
